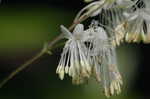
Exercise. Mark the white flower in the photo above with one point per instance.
(138, 25)
(103, 60)
(111, 12)
(97, 58)
(73, 60)
(112, 79)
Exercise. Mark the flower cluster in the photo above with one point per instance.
(138, 23)
(91, 52)
(128, 19)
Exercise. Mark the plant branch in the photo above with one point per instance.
(22, 67)
(46, 49)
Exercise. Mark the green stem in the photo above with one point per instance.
(45, 49)
(22, 67)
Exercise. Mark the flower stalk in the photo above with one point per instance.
(46, 49)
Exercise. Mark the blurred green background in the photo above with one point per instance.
(26, 24)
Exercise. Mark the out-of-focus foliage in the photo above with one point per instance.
(23, 28)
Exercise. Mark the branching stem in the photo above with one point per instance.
(47, 47)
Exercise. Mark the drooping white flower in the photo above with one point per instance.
(73, 60)
(103, 60)
(112, 80)
(112, 13)
(96, 59)
(138, 25)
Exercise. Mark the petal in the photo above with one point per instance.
(67, 33)
(133, 17)
(78, 29)
(126, 3)
(147, 3)
(146, 15)
(102, 33)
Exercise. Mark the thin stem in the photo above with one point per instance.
(88, 13)
(45, 49)
(22, 67)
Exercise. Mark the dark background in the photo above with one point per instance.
(26, 24)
